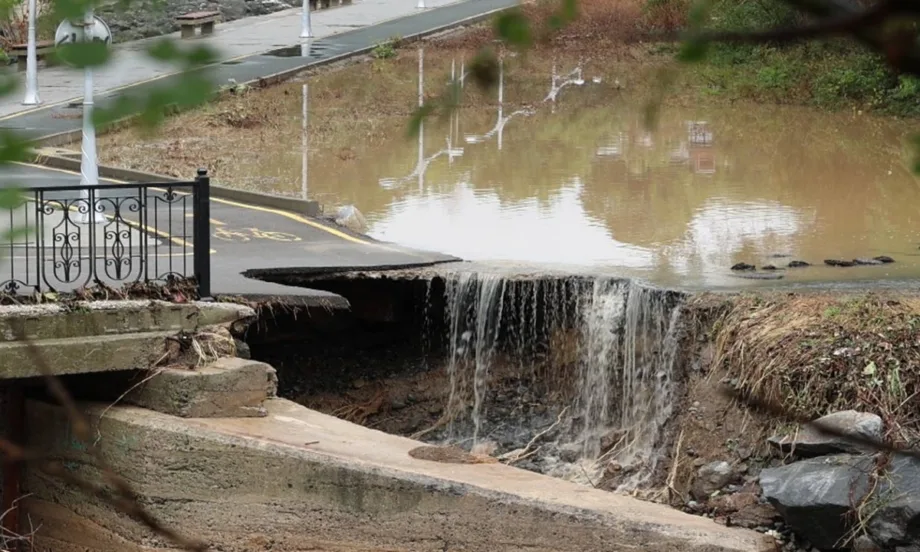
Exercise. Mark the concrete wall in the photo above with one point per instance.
(299, 480)
(146, 18)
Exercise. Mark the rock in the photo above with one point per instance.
(811, 441)
(743, 266)
(897, 519)
(884, 259)
(358, 383)
(710, 478)
(814, 496)
(755, 515)
(866, 262)
(760, 276)
(864, 544)
(350, 217)
(797, 264)
(768, 267)
(837, 262)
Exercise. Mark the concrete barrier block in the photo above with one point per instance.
(226, 388)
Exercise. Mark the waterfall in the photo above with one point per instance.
(600, 350)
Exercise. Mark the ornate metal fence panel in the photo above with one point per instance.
(63, 238)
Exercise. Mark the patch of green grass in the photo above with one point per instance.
(386, 49)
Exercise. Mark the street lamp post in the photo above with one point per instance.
(31, 97)
(89, 169)
(306, 26)
(421, 5)
(304, 142)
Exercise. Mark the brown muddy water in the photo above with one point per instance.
(580, 181)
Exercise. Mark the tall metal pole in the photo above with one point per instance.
(303, 129)
(420, 5)
(421, 101)
(306, 26)
(31, 97)
(89, 170)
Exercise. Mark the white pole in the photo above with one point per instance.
(420, 5)
(421, 128)
(89, 170)
(306, 26)
(31, 62)
(304, 143)
(501, 99)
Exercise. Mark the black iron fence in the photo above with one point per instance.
(63, 238)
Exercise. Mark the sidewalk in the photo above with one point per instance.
(360, 25)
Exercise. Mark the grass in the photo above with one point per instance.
(819, 353)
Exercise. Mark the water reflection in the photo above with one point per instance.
(587, 184)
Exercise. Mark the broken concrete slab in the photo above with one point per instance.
(813, 440)
(101, 336)
(227, 387)
(298, 479)
(92, 318)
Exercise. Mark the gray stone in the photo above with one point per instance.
(710, 478)
(814, 496)
(865, 544)
(228, 387)
(896, 521)
(812, 441)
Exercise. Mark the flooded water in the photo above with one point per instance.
(562, 182)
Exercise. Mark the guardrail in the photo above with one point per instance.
(63, 238)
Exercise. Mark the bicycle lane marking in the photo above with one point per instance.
(276, 212)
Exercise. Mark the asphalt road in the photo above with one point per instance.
(249, 238)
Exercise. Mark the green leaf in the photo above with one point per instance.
(484, 69)
(164, 50)
(870, 369)
(569, 10)
(415, 123)
(84, 54)
(692, 51)
(514, 28)
(200, 56)
(11, 198)
(12, 147)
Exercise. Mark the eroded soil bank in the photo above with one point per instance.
(731, 370)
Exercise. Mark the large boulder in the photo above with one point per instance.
(811, 440)
(896, 522)
(815, 496)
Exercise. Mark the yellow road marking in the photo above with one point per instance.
(291, 216)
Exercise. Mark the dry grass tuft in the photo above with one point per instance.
(814, 354)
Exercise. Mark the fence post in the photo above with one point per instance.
(202, 232)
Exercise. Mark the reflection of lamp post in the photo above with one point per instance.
(574, 77)
(31, 97)
(423, 162)
(502, 120)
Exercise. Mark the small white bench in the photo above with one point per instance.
(204, 20)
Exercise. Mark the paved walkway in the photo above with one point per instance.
(251, 48)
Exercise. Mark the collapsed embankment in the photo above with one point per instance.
(600, 380)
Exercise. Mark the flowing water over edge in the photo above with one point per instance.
(603, 349)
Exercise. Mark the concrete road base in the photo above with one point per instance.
(227, 388)
(300, 480)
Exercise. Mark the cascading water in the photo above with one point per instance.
(595, 356)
